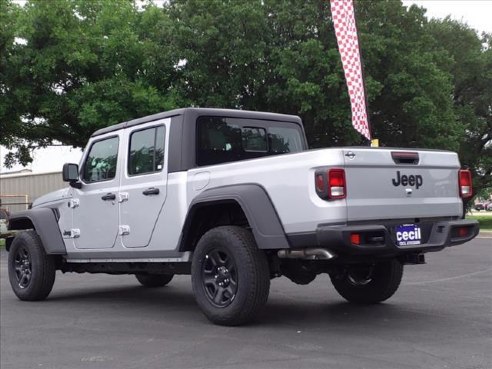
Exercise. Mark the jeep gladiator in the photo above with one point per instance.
(235, 198)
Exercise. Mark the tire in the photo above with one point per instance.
(31, 271)
(154, 280)
(230, 276)
(369, 284)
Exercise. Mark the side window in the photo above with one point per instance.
(100, 164)
(227, 139)
(146, 153)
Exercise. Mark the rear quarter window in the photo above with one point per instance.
(223, 139)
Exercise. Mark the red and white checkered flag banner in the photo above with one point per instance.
(342, 12)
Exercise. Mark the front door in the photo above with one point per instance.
(95, 205)
(143, 183)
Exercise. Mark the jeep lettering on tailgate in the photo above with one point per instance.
(410, 180)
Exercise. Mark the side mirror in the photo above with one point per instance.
(71, 174)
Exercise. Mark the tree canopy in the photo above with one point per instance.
(69, 67)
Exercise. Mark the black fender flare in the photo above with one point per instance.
(257, 206)
(45, 223)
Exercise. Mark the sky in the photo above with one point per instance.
(476, 13)
(46, 160)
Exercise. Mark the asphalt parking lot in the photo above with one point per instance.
(441, 317)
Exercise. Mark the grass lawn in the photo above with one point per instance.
(484, 220)
(2, 242)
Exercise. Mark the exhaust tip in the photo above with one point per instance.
(309, 254)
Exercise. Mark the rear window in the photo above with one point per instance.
(223, 139)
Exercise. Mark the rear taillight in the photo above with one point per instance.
(330, 184)
(465, 183)
(336, 180)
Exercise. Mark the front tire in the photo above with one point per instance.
(31, 271)
(154, 280)
(369, 284)
(230, 276)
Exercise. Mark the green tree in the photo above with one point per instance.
(222, 49)
(11, 130)
(471, 69)
(84, 65)
(282, 56)
(80, 66)
(305, 75)
(413, 106)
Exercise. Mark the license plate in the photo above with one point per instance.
(408, 234)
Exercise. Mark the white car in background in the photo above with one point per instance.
(4, 219)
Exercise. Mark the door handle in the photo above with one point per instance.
(108, 196)
(151, 191)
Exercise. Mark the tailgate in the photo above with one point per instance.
(401, 184)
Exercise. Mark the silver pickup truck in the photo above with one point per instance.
(235, 198)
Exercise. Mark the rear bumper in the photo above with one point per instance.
(380, 239)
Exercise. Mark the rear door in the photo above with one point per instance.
(399, 184)
(143, 186)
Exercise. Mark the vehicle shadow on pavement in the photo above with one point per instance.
(167, 296)
(281, 309)
(178, 304)
(344, 315)
(158, 301)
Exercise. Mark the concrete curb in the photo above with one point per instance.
(485, 234)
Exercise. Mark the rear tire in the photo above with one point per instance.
(230, 276)
(31, 271)
(369, 284)
(154, 280)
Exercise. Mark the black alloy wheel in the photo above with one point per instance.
(230, 276)
(22, 267)
(219, 276)
(31, 271)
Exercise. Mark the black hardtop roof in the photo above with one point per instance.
(195, 112)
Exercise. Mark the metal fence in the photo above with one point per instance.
(17, 191)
